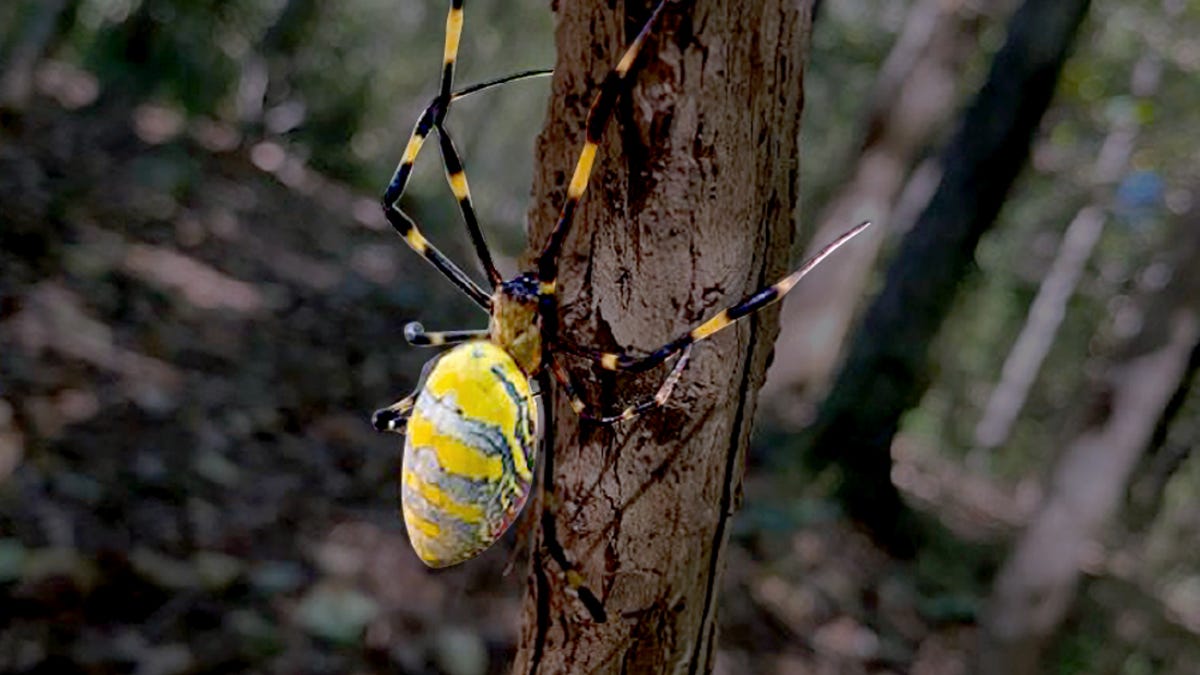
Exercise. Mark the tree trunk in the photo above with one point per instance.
(265, 68)
(1165, 455)
(885, 371)
(691, 208)
(1024, 360)
(916, 92)
(29, 46)
(1035, 586)
(1049, 308)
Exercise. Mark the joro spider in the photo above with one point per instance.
(471, 425)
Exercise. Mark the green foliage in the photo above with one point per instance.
(344, 82)
(183, 50)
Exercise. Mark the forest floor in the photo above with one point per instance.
(192, 335)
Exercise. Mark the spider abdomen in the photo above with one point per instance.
(468, 457)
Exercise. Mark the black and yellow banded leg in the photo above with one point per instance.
(597, 120)
(394, 418)
(454, 26)
(435, 114)
(456, 176)
(660, 398)
(749, 305)
(407, 229)
(576, 585)
(432, 117)
(416, 336)
(416, 140)
(571, 574)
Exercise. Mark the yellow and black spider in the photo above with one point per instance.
(471, 426)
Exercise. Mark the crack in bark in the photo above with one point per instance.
(731, 459)
(543, 612)
(725, 512)
(680, 481)
(541, 583)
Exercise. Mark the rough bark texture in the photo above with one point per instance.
(884, 375)
(1036, 585)
(691, 207)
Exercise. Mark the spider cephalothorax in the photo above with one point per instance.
(515, 324)
(472, 424)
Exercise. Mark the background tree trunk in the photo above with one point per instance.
(915, 94)
(265, 68)
(884, 375)
(691, 207)
(1036, 585)
(29, 44)
(1049, 307)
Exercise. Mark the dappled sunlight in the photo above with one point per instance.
(197, 283)
(53, 319)
(201, 302)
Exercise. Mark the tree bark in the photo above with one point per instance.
(1034, 588)
(885, 370)
(691, 208)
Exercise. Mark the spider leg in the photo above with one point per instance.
(432, 117)
(749, 305)
(407, 229)
(547, 262)
(456, 176)
(394, 418)
(549, 521)
(597, 120)
(660, 398)
(515, 77)
(575, 581)
(416, 336)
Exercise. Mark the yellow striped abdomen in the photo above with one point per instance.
(469, 453)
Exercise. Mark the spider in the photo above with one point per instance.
(471, 425)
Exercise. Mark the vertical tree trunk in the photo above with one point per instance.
(1049, 308)
(1165, 455)
(916, 92)
(884, 375)
(1034, 588)
(265, 68)
(29, 46)
(691, 208)
(1024, 360)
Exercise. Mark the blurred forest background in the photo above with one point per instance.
(200, 304)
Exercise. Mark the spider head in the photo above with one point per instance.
(516, 324)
